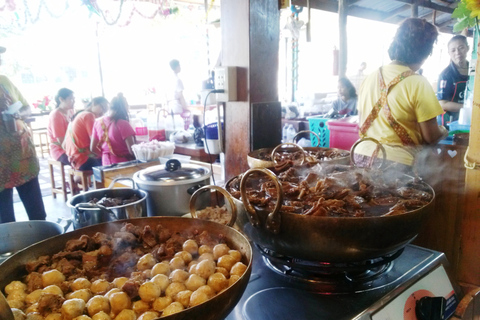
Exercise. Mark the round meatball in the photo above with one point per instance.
(54, 316)
(174, 288)
(191, 247)
(119, 301)
(161, 303)
(80, 283)
(140, 306)
(184, 297)
(236, 255)
(82, 317)
(98, 304)
(15, 286)
(84, 294)
(194, 282)
(149, 291)
(101, 316)
(179, 275)
(204, 249)
(205, 268)
(33, 296)
(220, 250)
(222, 271)
(52, 277)
(205, 256)
(161, 268)
(226, 261)
(53, 289)
(174, 307)
(185, 255)
(18, 304)
(112, 291)
(208, 290)
(238, 269)
(34, 316)
(197, 298)
(177, 263)
(72, 308)
(162, 281)
(149, 315)
(217, 282)
(100, 286)
(119, 282)
(146, 261)
(126, 314)
(233, 278)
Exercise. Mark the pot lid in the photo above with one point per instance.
(174, 172)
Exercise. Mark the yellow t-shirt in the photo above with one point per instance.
(411, 101)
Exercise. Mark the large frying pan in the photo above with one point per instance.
(327, 239)
(216, 308)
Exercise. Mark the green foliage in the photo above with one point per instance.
(464, 18)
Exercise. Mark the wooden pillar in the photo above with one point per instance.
(469, 264)
(342, 28)
(250, 42)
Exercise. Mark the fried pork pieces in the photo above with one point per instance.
(336, 191)
(136, 273)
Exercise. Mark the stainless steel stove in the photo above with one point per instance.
(283, 288)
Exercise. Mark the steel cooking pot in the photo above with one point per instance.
(257, 158)
(171, 186)
(16, 236)
(214, 309)
(85, 213)
(321, 238)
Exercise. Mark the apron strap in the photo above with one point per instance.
(106, 138)
(383, 103)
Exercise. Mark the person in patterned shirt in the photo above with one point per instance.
(19, 166)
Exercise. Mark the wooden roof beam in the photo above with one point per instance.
(428, 4)
(392, 14)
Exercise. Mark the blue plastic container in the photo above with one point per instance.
(319, 126)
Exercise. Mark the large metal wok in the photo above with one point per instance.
(216, 308)
(326, 239)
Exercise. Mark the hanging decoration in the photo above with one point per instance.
(92, 6)
(160, 11)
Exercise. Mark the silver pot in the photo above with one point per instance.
(15, 236)
(87, 214)
(170, 187)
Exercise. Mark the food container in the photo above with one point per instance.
(170, 186)
(85, 213)
(216, 308)
(343, 132)
(263, 158)
(15, 236)
(324, 238)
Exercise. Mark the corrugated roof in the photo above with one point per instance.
(393, 11)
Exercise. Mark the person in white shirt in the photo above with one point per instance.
(175, 100)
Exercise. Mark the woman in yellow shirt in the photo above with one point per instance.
(397, 106)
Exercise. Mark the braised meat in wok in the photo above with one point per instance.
(312, 155)
(335, 191)
(114, 202)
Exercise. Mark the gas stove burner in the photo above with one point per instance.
(332, 278)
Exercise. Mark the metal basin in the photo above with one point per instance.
(214, 309)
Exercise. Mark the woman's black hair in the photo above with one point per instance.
(119, 108)
(63, 93)
(348, 84)
(95, 101)
(458, 37)
(413, 41)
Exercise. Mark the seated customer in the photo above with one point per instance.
(79, 133)
(58, 123)
(346, 104)
(113, 135)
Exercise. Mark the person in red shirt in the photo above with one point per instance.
(58, 123)
(79, 134)
(113, 136)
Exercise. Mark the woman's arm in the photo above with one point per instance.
(94, 148)
(431, 132)
(130, 141)
(450, 105)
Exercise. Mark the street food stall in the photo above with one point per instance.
(275, 260)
